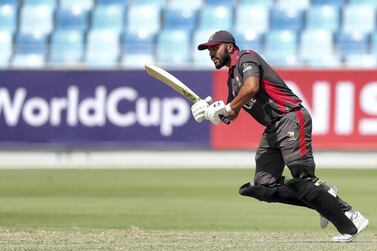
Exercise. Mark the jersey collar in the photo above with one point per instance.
(234, 60)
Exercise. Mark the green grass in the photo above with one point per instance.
(193, 200)
(160, 199)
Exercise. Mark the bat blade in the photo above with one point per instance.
(176, 84)
(173, 82)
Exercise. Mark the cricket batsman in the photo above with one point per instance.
(256, 88)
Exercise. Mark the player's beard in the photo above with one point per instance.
(223, 60)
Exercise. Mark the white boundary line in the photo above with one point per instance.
(165, 159)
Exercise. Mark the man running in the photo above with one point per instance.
(256, 88)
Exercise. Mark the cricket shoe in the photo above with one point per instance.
(323, 222)
(360, 222)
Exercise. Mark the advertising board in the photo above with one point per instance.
(343, 105)
(97, 108)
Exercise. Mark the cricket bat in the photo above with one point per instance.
(176, 84)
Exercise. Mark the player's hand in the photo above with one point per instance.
(199, 109)
(208, 100)
(215, 110)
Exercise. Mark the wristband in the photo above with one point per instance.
(228, 109)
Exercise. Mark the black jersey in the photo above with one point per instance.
(274, 97)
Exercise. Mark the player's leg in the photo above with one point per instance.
(323, 202)
(323, 222)
(278, 193)
(294, 138)
(269, 184)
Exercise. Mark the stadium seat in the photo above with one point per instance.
(201, 59)
(266, 3)
(173, 48)
(293, 4)
(133, 61)
(316, 47)
(30, 43)
(8, 16)
(5, 47)
(215, 18)
(337, 3)
(67, 47)
(30, 50)
(324, 62)
(361, 61)
(27, 61)
(138, 42)
(252, 18)
(338, 30)
(286, 20)
(120, 3)
(182, 5)
(47, 3)
(144, 18)
(72, 19)
(352, 43)
(156, 3)
(372, 3)
(324, 17)
(179, 19)
(373, 44)
(102, 49)
(249, 40)
(9, 2)
(108, 17)
(137, 49)
(36, 18)
(216, 3)
(281, 48)
(359, 18)
(83, 5)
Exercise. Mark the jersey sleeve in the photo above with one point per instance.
(230, 95)
(249, 66)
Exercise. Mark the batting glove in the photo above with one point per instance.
(215, 110)
(199, 109)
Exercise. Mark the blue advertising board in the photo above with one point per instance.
(98, 109)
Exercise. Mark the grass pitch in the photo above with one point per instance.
(190, 209)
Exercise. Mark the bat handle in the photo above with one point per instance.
(226, 120)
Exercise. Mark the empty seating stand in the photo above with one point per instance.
(129, 33)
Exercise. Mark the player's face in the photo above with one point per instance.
(219, 55)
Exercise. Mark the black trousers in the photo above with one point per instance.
(288, 142)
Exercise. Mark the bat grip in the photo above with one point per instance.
(225, 120)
